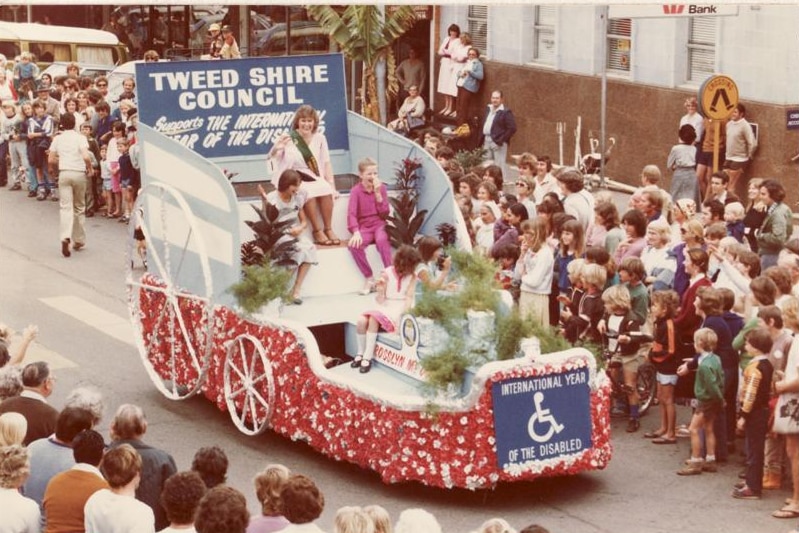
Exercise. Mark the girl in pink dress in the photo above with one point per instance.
(395, 295)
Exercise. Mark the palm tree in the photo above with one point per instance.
(365, 33)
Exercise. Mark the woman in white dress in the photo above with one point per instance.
(449, 68)
(305, 150)
(289, 203)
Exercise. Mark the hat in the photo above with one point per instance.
(41, 87)
(214, 27)
(227, 29)
(492, 205)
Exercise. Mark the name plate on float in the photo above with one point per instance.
(405, 357)
(238, 107)
(542, 417)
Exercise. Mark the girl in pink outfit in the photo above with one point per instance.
(366, 220)
(395, 295)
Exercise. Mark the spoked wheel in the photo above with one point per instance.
(647, 386)
(170, 304)
(249, 385)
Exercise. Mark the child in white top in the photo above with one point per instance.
(535, 269)
(395, 295)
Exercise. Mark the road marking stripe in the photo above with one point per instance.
(96, 317)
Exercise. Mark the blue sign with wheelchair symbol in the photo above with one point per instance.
(542, 417)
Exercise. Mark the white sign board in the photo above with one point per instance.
(629, 11)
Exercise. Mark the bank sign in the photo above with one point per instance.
(653, 10)
(542, 417)
(238, 107)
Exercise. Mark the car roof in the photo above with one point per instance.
(45, 33)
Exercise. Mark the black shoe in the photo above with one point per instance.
(65, 248)
(16, 187)
(31, 194)
(633, 425)
(356, 362)
(366, 366)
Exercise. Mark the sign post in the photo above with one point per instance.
(718, 95)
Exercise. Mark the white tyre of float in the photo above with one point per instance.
(249, 385)
(176, 258)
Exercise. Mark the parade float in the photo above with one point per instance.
(532, 415)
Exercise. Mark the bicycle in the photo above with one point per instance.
(647, 380)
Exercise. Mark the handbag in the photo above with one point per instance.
(786, 414)
(415, 122)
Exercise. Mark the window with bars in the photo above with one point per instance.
(478, 26)
(619, 45)
(701, 48)
(544, 34)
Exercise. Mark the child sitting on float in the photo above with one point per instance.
(366, 219)
(395, 296)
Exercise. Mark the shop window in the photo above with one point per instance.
(544, 34)
(478, 27)
(701, 48)
(619, 45)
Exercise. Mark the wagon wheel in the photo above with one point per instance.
(249, 385)
(172, 326)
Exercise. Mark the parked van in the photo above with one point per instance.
(61, 43)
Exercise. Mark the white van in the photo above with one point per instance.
(61, 43)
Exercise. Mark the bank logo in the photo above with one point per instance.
(673, 9)
(693, 9)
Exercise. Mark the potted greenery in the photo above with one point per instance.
(438, 316)
(405, 220)
(511, 331)
(266, 261)
(478, 294)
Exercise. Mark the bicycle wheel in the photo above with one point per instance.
(647, 386)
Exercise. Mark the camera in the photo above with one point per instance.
(440, 261)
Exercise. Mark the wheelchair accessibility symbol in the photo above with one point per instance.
(542, 418)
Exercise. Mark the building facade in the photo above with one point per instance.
(548, 60)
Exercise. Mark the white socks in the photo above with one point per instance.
(369, 351)
(361, 337)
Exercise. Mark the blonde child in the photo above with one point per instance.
(709, 393)
(734, 213)
(353, 520)
(620, 319)
(581, 323)
(395, 295)
(664, 358)
(380, 518)
(571, 300)
(535, 270)
(268, 484)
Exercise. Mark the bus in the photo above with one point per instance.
(61, 43)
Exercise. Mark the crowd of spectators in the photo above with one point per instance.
(67, 478)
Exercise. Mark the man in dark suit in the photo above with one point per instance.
(128, 427)
(38, 383)
(498, 127)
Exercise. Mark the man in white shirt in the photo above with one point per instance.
(498, 128)
(69, 156)
(578, 202)
(740, 146)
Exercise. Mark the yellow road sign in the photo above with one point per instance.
(717, 96)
